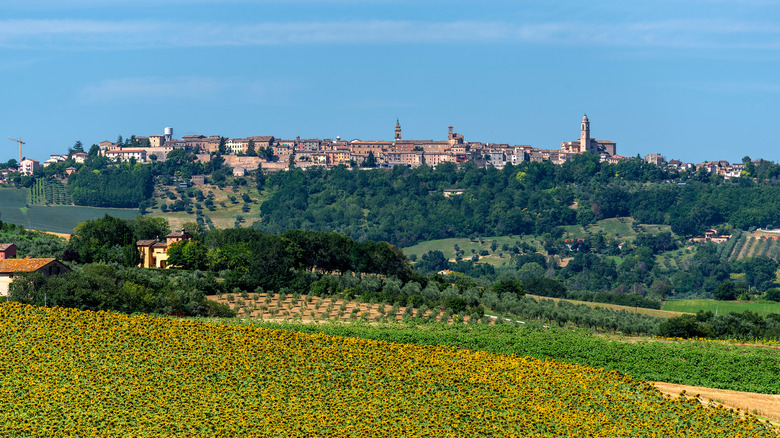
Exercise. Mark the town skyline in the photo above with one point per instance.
(274, 153)
(692, 80)
(246, 154)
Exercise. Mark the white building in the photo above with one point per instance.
(127, 154)
(28, 166)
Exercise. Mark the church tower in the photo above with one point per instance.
(585, 134)
(397, 130)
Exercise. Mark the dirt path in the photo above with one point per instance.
(764, 405)
(62, 235)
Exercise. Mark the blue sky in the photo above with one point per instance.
(692, 80)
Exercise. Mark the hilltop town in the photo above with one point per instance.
(272, 153)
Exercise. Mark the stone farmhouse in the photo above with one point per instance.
(11, 267)
(711, 235)
(7, 251)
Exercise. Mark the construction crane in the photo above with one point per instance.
(20, 148)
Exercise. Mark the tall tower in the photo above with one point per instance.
(585, 134)
(397, 130)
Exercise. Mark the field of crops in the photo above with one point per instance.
(70, 373)
(698, 363)
(722, 307)
(756, 244)
(58, 219)
(49, 192)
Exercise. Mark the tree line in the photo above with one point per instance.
(407, 205)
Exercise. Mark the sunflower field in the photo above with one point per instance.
(66, 372)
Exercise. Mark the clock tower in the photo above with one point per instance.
(585, 134)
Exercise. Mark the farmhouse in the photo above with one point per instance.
(154, 254)
(7, 251)
(711, 235)
(11, 267)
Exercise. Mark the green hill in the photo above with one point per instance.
(59, 219)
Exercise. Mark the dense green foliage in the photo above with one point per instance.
(404, 205)
(31, 243)
(251, 259)
(638, 272)
(112, 287)
(734, 325)
(100, 182)
(319, 263)
(563, 313)
(12, 163)
(709, 364)
(112, 240)
(124, 186)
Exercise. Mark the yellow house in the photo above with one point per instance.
(154, 254)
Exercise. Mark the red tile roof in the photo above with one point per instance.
(10, 266)
(182, 233)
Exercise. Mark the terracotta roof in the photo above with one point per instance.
(145, 242)
(9, 266)
(263, 138)
(179, 234)
(5, 246)
(160, 245)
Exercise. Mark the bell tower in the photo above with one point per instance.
(585, 134)
(397, 130)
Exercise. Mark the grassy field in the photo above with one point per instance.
(58, 219)
(722, 307)
(619, 227)
(622, 228)
(471, 247)
(225, 211)
(642, 311)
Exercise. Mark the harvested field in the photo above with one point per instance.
(765, 405)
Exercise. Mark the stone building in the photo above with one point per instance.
(586, 143)
(154, 254)
(11, 267)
